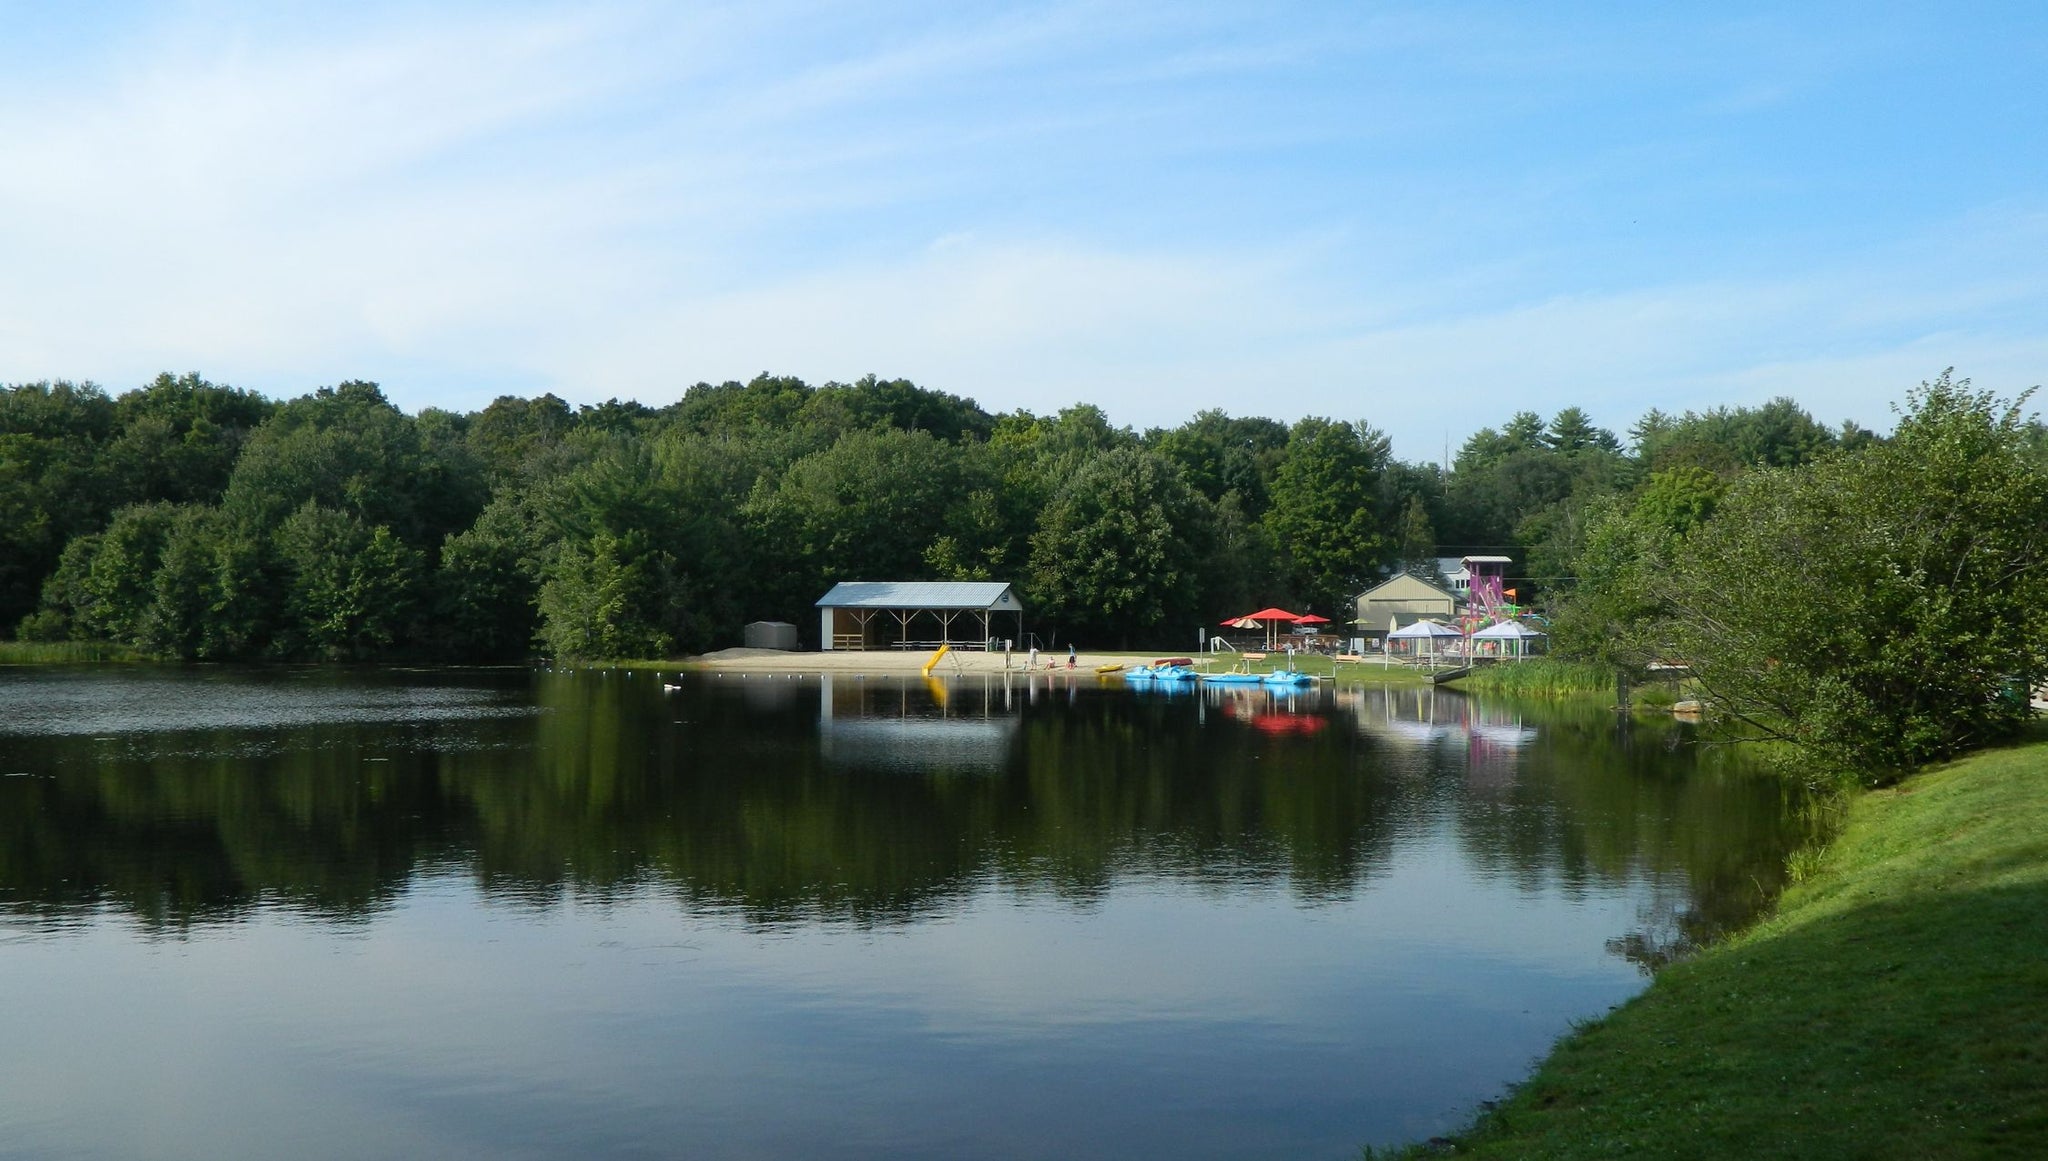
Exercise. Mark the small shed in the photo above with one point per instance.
(1404, 599)
(918, 614)
(769, 635)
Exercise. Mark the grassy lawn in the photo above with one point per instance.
(1896, 1005)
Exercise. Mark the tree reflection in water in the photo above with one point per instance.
(873, 801)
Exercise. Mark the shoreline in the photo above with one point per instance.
(909, 663)
(1897, 979)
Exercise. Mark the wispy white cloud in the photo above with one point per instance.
(1425, 220)
(1154, 337)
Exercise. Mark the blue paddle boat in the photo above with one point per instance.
(1233, 679)
(1290, 677)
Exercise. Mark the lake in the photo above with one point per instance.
(502, 913)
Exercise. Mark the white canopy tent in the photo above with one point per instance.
(1513, 637)
(1428, 636)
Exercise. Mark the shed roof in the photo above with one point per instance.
(920, 595)
(1405, 587)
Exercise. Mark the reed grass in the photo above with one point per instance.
(63, 652)
(1540, 677)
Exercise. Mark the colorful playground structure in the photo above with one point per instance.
(1493, 624)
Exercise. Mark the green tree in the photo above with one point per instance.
(871, 506)
(1500, 479)
(178, 438)
(904, 406)
(1325, 516)
(1219, 455)
(1608, 612)
(348, 449)
(1523, 433)
(67, 590)
(487, 586)
(645, 537)
(603, 598)
(1245, 569)
(1118, 552)
(351, 588)
(512, 437)
(1675, 502)
(1730, 439)
(1875, 608)
(53, 484)
(988, 526)
(113, 599)
(1572, 431)
(1418, 540)
(217, 591)
(1046, 451)
(765, 403)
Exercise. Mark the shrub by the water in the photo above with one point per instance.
(1873, 608)
(1542, 677)
(54, 652)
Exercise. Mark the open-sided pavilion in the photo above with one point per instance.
(917, 614)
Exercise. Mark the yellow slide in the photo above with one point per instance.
(943, 650)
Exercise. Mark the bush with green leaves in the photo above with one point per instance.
(1875, 608)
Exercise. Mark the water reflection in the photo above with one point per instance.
(1488, 734)
(837, 798)
(738, 918)
(968, 724)
(77, 702)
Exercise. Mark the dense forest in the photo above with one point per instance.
(193, 520)
(1877, 600)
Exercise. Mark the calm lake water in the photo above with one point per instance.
(322, 913)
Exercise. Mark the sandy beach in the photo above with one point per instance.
(890, 661)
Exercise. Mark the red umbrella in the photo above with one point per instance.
(1266, 617)
(1309, 619)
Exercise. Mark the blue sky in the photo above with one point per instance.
(1426, 216)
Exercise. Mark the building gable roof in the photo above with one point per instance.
(1406, 587)
(992, 595)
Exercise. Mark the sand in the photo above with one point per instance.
(888, 661)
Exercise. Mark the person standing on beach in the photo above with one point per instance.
(1034, 658)
(1070, 657)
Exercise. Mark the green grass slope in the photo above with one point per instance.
(1895, 1005)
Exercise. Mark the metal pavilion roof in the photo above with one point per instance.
(978, 595)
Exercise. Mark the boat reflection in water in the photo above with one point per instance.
(1273, 710)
